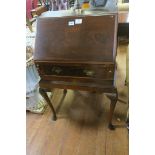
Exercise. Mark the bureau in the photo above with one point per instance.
(77, 51)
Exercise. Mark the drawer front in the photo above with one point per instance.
(76, 80)
(80, 71)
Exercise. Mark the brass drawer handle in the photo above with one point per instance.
(89, 72)
(57, 70)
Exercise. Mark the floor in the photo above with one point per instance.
(79, 129)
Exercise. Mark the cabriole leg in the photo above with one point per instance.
(65, 91)
(45, 96)
(113, 98)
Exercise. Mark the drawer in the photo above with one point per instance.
(105, 71)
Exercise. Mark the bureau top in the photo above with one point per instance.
(76, 37)
(93, 12)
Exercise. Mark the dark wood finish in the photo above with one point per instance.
(113, 97)
(45, 96)
(123, 24)
(91, 71)
(81, 42)
(65, 91)
(78, 79)
(76, 86)
(79, 57)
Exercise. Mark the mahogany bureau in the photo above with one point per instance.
(77, 51)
